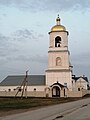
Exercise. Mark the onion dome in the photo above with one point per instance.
(58, 26)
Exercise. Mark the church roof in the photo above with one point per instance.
(33, 80)
(76, 78)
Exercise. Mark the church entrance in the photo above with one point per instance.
(55, 91)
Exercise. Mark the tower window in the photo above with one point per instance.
(58, 61)
(58, 41)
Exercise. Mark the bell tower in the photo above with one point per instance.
(59, 67)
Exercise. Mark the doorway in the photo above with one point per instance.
(55, 91)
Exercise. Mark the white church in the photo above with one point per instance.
(59, 80)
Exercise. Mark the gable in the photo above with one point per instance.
(81, 80)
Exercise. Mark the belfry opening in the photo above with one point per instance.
(58, 41)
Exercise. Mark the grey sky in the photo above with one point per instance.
(48, 4)
(24, 41)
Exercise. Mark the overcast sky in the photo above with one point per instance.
(24, 39)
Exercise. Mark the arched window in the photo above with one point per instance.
(34, 89)
(78, 89)
(64, 93)
(58, 61)
(9, 90)
(58, 41)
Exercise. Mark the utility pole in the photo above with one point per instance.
(23, 86)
